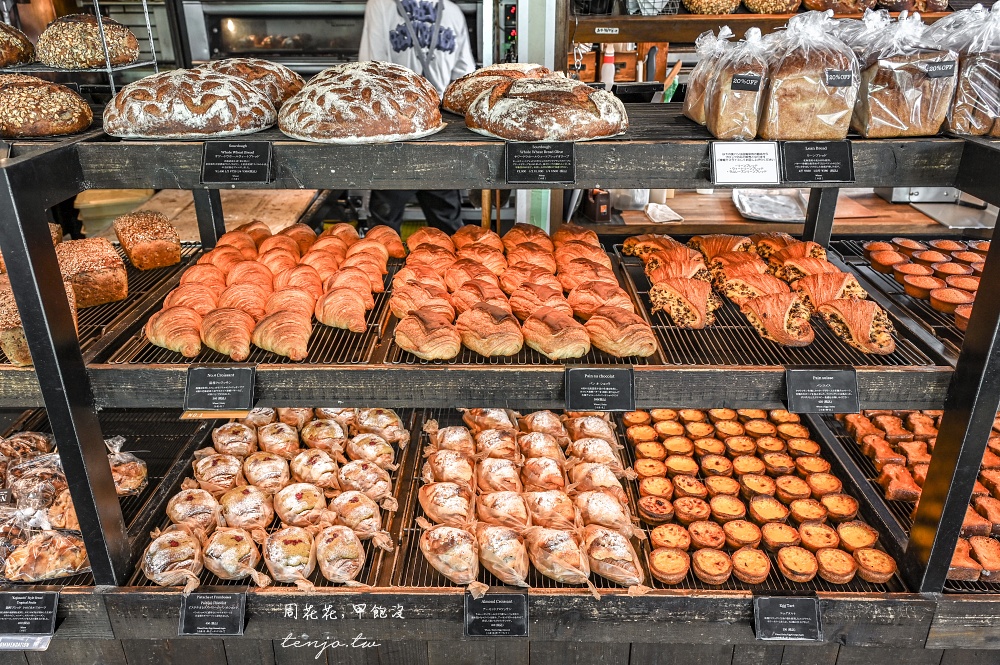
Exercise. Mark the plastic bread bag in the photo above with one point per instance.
(503, 509)
(247, 507)
(302, 504)
(502, 552)
(611, 555)
(216, 473)
(453, 552)
(62, 513)
(340, 555)
(457, 438)
(384, 422)
(539, 474)
(47, 555)
(558, 555)
(734, 95)
(26, 444)
(195, 509)
(41, 468)
(592, 426)
(316, 467)
(361, 515)
(290, 555)
(231, 554)
(954, 30)
(13, 534)
(479, 419)
(605, 510)
(371, 480)
(710, 48)
(447, 503)
(449, 466)
(589, 476)
(128, 471)
(812, 82)
(32, 495)
(173, 558)
(976, 107)
(906, 83)
(551, 509)
(858, 34)
(372, 448)
(545, 422)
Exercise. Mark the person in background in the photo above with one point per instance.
(431, 38)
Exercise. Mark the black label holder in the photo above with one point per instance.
(219, 391)
(788, 616)
(540, 162)
(600, 388)
(822, 389)
(233, 161)
(219, 614)
(817, 161)
(27, 619)
(497, 614)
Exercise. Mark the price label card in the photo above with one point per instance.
(744, 162)
(218, 392)
(600, 389)
(496, 615)
(817, 161)
(24, 614)
(228, 162)
(529, 163)
(5, 496)
(213, 614)
(787, 618)
(822, 390)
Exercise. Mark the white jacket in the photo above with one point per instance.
(386, 38)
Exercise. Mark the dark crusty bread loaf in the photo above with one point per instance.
(463, 91)
(276, 81)
(30, 106)
(363, 102)
(15, 48)
(13, 343)
(149, 239)
(55, 231)
(800, 104)
(898, 97)
(553, 109)
(74, 42)
(188, 103)
(95, 270)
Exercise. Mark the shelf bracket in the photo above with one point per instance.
(208, 210)
(819, 215)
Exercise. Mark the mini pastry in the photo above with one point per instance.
(247, 507)
(370, 479)
(874, 566)
(340, 554)
(702, 447)
(948, 269)
(711, 566)
(778, 464)
(716, 465)
(856, 535)
(656, 486)
(797, 564)
(663, 415)
(920, 286)
(726, 508)
(740, 533)
(231, 554)
(634, 418)
(755, 484)
(727, 429)
(668, 428)
(640, 433)
(901, 271)
(722, 485)
(764, 509)
(946, 299)
(748, 464)
(503, 509)
(689, 509)
(649, 468)
(679, 445)
(447, 503)
(534, 444)
(758, 428)
(817, 535)
(669, 565)
(316, 467)
(835, 566)
(173, 558)
(706, 534)
(884, 261)
(280, 439)
(930, 257)
(807, 510)
(791, 488)
(776, 536)
(908, 246)
(740, 445)
(689, 486)
(651, 450)
(807, 464)
(822, 484)
(360, 514)
(692, 416)
(799, 447)
(325, 434)
(770, 444)
(670, 535)
(655, 510)
(751, 565)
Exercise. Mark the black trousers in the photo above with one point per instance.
(442, 207)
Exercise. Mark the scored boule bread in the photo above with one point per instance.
(463, 91)
(15, 47)
(276, 81)
(74, 42)
(188, 103)
(552, 109)
(30, 106)
(363, 102)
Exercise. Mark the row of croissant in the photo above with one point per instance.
(778, 283)
(506, 490)
(497, 294)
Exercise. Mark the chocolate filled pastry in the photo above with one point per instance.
(796, 249)
(490, 330)
(861, 323)
(559, 556)
(217, 473)
(540, 444)
(384, 422)
(588, 426)
(795, 268)
(824, 287)
(552, 509)
(530, 297)
(542, 474)
(588, 297)
(641, 245)
(611, 555)
(196, 509)
(590, 476)
(766, 244)
(497, 443)
(434, 257)
(372, 448)
(429, 335)
(498, 475)
(556, 335)
(247, 507)
(782, 318)
(301, 504)
(428, 235)
(279, 438)
(447, 503)
(362, 515)
(670, 255)
(605, 510)
(316, 467)
(236, 439)
(516, 275)
(521, 233)
(475, 291)
(728, 264)
(744, 286)
(690, 303)
(595, 451)
(267, 471)
(503, 509)
(502, 552)
(326, 434)
(340, 555)
(575, 249)
(715, 244)
(449, 466)
(371, 480)
(290, 555)
(451, 551)
(410, 296)
(231, 554)
(456, 438)
(173, 558)
(686, 268)
(620, 333)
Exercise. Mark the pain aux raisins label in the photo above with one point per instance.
(838, 78)
(746, 82)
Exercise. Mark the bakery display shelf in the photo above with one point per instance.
(775, 582)
(375, 558)
(40, 67)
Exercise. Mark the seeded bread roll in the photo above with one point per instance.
(95, 270)
(188, 103)
(276, 81)
(15, 48)
(463, 91)
(12, 340)
(74, 42)
(149, 239)
(30, 106)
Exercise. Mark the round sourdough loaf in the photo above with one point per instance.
(188, 104)
(552, 109)
(363, 102)
(463, 91)
(15, 48)
(30, 106)
(74, 42)
(276, 81)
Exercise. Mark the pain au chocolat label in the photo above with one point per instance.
(747, 82)
(839, 78)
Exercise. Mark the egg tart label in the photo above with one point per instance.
(822, 390)
(787, 618)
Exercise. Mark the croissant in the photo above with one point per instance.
(781, 318)
(251, 299)
(352, 278)
(582, 250)
(177, 329)
(241, 241)
(587, 297)
(797, 249)
(648, 242)
(429, 235)
(202, 299)
(433, 256)
(278, 260)
(429, 335)
(419, 274)
(671, 254)
(251, 272)
(490, 330)
(621, 333)
(861, 323)
(736, 261)
(342, 308)
(290, 300)
(389, 238)
(228, 331)
(366, 245)
(521, 233)
(717, 243)
(516, 275)
(324, 263)
(284, 333)
(223, 258)
(767, 244)
(409, 296)
(826, 286)
(476, 291)
(342, 230)
(530, 297)
(474, 234)
(332, 245)
(578, 271)
(206, 275)
(796, 268)
(371, 267)
(688, 268)
(532, 254)
(280, 241)
(745, 285)
(464, 270)
(574, 233)
(555, 334)
(490, 257)
(256, 229)
(302, 277)
(301, 234)
(690, 303)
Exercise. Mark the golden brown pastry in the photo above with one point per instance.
(429, 335)
(489, 257)
(177, 329)
(574, 233)
(473, 234)
(861, 323)
(796, 268)
(574, 273)
(620, 333)
(409, 296)
(342, 308)
(428, 235)
(284, 333)
(588, 296)
(743, 286)
(781, 318)
(251, 272)
(475, 291)
(715, 244)
(518, 274)
(522, 233)
(490, 330)
(290, 300)
(823, 287)
(199, 297)
(556, 335)
(649, 242)
(434, 257)
(248, 297)
(231, 554)
(531, 254)
(581, 250)
(530, 297)
(690, 303)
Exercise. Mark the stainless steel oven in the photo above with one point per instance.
(306, 36)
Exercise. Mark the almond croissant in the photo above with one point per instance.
(621, 333)
(228, 331)
(284, 333)
(177, 329)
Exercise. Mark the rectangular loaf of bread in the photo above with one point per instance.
(810, 96)
(149, 239)
(95, 270)
(905, 95)
(12, 340)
